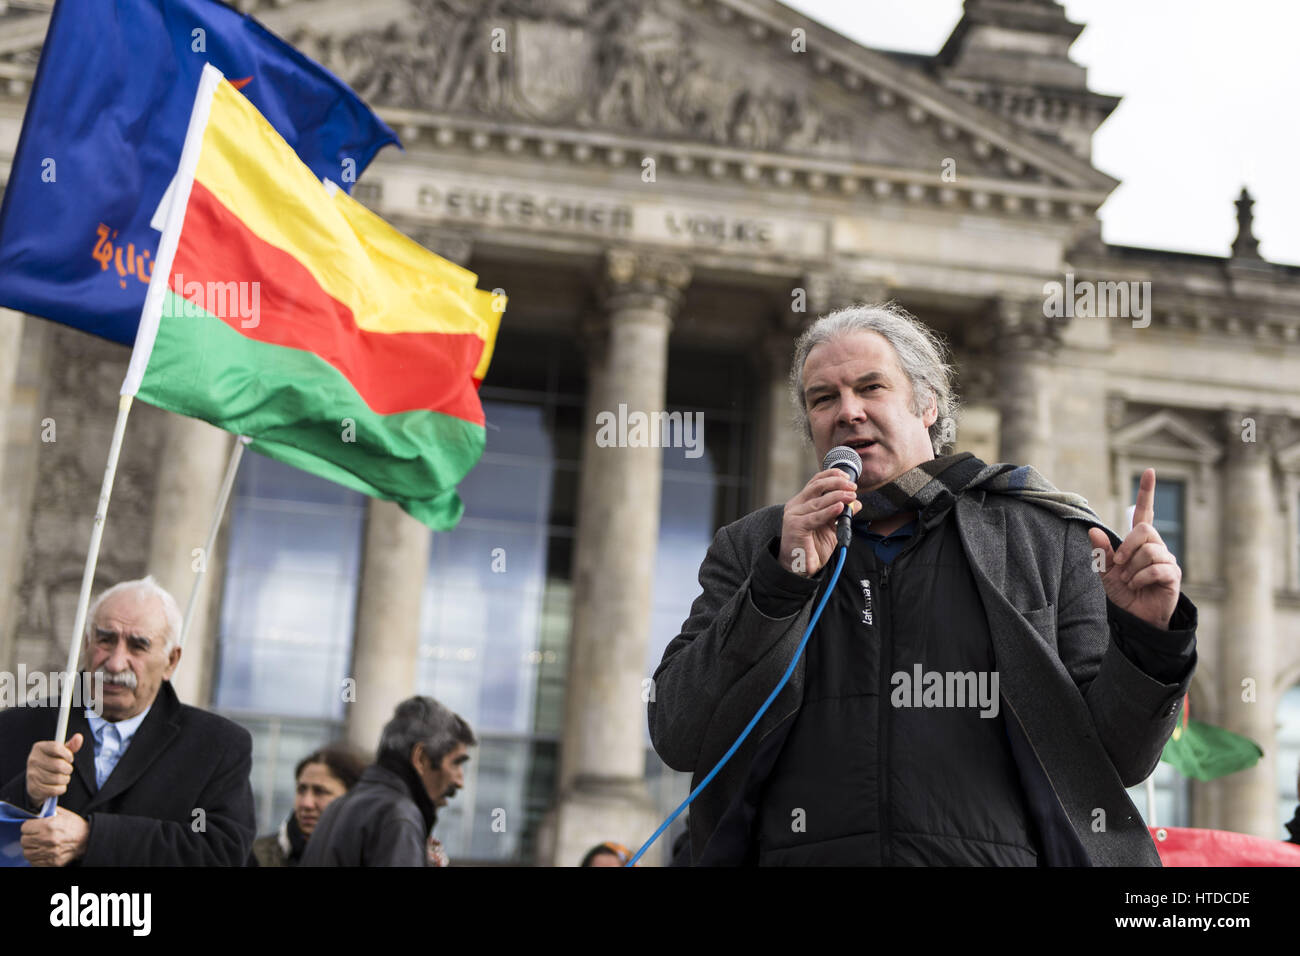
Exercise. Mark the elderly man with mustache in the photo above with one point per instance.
(144, 780)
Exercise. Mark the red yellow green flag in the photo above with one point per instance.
(287, 312)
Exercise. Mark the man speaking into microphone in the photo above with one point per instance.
(991, 670)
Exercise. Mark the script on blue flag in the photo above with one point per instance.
(102, 139)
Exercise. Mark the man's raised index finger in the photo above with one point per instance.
(1146, 499)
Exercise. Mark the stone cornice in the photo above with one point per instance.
(1044, 180)
(1227, 320)
(1191, 298)
(704, 162)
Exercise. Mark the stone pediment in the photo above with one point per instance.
(738, 75)
(747, 76)
(1167, 435)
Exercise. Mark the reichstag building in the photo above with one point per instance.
(669, 191)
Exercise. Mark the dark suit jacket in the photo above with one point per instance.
(376, 823)
(181, 760)
(1085, 721)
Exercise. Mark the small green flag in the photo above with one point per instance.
(1205, 752)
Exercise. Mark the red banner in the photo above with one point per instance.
(1191, 846)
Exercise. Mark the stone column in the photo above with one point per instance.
(979, 420)
(386, 648)
(1249, 628)
(190, 468)
(15, 429)
(394, 568)
(11, 338)
(602, 791)
(786, 460)
(1024, 342)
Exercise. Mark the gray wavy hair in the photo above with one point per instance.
(146, 586)
(922, 355)
(422, 720)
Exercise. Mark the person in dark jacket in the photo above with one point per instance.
(992, 669)
(387, 819)
(320, 778)
(144, 780)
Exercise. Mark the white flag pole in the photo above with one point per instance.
(92, 559)
(146, 334)
(218, 511)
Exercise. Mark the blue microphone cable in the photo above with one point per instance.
(835, 576)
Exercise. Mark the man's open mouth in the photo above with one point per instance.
(857, 444)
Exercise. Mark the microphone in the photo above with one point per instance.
(846, 460)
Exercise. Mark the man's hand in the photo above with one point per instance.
(1142, 577)
(49, 768)
(56, 840)
(808, 525)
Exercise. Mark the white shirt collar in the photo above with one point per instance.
(125, 728)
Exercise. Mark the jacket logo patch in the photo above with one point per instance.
(866, 601)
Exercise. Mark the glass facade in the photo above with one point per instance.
(287, 615)
(495, 618)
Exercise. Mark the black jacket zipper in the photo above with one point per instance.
(882, 745)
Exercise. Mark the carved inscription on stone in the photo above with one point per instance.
(696, 226)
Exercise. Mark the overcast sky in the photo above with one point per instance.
(1211, 102)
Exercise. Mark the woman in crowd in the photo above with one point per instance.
(321, 777)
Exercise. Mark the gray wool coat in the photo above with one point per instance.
(1095, 722)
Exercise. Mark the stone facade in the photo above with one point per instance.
(654, 164)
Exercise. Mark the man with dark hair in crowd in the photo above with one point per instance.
(320, 778)
(388, 817)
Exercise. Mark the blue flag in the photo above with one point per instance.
(11, 824)
(103, 134)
